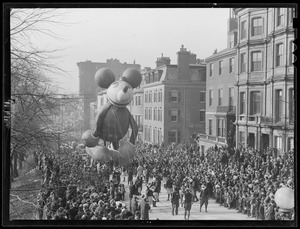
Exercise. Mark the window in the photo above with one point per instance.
(174, 136)
(155, 114)
(254, 102)
(174, 96)
(154, 134)
(146, 113)
(291, 105)
(174, 115)
(220, 97)
(210, 127)
(202, 96)
(150, 97)
(146, 97)
(231, 65)
(279, 55)
(211, 96)
(242, 102)
(155, 96)
(202, 116)
(257, 26)
(256, 63)
(159, 115)
(220, 67)
(159, 136)
(231, 96)
(291, 55)
(243, 62)
(211, 68)
(278, 105)
(150, 113)
(160, 96)
(243, 29)
(221, 127)
(280, 16)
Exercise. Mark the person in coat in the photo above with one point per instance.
(188, 199)
(175, 201)
(145, 208)
(204, 195)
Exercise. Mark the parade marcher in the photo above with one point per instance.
(175, 201)
(145, 208)
(188, 199)
(204, 195)
(169, 186)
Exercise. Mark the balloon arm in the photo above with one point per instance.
(134, 131)
(99, 119)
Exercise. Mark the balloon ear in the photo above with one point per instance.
(132, 76)
(104, 77)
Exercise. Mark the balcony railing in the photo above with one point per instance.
(226, 109)
(213, 139)
(267, 120)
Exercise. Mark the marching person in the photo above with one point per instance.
(188, 199)
(145, 208)
(204, 195)
(175, 201)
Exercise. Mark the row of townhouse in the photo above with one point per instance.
(250, 84)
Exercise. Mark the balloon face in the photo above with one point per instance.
(104, 77)
(88, 140)
(120, 93)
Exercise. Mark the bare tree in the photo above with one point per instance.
(36, 105)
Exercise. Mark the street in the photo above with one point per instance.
(163, 211)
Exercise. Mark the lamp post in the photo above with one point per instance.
(284, 198)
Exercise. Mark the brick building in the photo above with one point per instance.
(172, 106)
(220, 94)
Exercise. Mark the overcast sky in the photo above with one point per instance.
(140, 34)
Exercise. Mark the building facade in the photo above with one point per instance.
(88, 89)
(172, 107)
(265, 78)
(220, 94)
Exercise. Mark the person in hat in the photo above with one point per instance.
(188, 199)
(60, 214)
(204, 195)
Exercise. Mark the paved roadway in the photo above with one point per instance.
(163, 211)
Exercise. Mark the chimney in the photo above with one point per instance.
(163, 61)
(183, 62)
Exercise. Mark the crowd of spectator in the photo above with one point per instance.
(243, 179)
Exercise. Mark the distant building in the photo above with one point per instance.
(265, 78)
(172, 106)
(220, 94)
(88, 89)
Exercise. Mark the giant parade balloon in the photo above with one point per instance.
(284, 198)
(88, 140)
(98, 153)
(104, 77)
